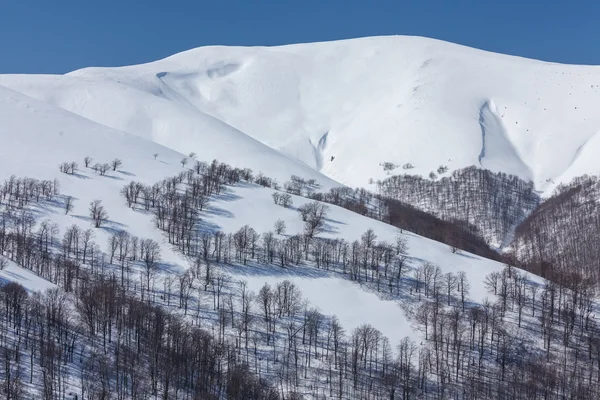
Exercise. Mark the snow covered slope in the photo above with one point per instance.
(78, 136)
(36, 137)
(24, 277)
(332, 294)
(343, 108)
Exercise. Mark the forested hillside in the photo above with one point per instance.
(493, 203)
(122, 322)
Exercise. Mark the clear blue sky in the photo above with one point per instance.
(57, 36)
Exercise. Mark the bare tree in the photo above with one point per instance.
(276, 197)
(450, 282)
(155, 155)
(368, 238)
(68, 167)
(87, 161)
(463, 287)
(265, 299)
(69, 204)
(98, 213)
(150, 250)
(279, 227)
(314, 215)
(183, 162)
(101, 169)
(286, 200)
(116, 163)
(401, 245)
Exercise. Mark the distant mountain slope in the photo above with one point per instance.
(345, 107)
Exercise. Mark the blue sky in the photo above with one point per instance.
(57, 36)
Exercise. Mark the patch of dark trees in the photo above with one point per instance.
(561, 235)
(122, 347)
(455, 233)
(493, 203)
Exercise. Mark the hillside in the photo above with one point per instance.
(39, 137)
(405, 99)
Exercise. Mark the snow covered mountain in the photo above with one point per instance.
(328, 112)
(343, 108)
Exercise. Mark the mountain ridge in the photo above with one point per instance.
(406, 99)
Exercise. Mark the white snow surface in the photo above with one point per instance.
(361, 102)
(24, 277)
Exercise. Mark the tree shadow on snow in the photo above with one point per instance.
(80, 176)
(462, 253)
(328, 228)
(226, 195)
(333, 221)
(108, 226)
(208, 227)
(218, 211)
(114, 177)
(270, 270)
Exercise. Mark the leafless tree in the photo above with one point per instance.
(286, 200)
(68, 167)
(116, 163)
(69, 204)
(98, 213)
(101, 169)
(314, 215)
(279, 227)
(150, 251)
